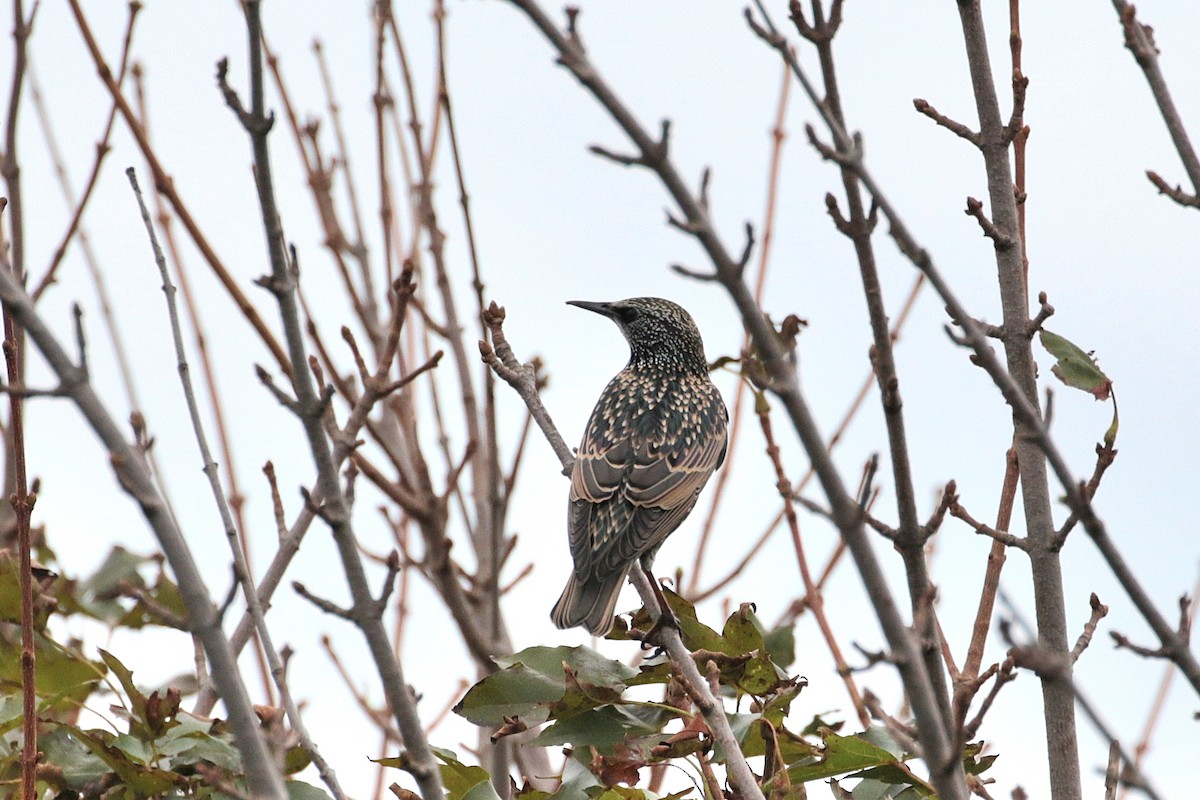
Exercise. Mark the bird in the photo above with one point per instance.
(655, 437)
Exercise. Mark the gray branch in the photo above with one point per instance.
(335, 507)
(241, 567)
(945, 768)
(976, 338)
(134, 476)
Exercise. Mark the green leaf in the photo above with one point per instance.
(741, 632)
(1079, 370)
(590, 665)
(97, 594)
(137, 700)
(192, 741)
(695, 634)
(80, 765)
(621, 793)
(781, 645)
(1074, 367)
(163, 596)
(62, 675)
(10, 592)
(652, 672)
(758, 676)
(134, 748)
(535, 687)
(463, 782)
(142, 780)
(842, 755)
(576, 780)
(299, 790)
(603, 728)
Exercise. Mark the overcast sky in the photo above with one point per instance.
(555, 223)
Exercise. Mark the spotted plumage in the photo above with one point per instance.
(656, 435)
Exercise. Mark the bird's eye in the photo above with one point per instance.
(628, 314)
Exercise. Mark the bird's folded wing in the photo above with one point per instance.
(626, 501)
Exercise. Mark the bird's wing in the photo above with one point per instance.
(626, 498)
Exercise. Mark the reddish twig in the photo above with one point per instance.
(815, 599)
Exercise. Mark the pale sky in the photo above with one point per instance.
(555, 223)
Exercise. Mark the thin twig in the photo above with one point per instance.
(241, 567)
(815, 599)
(1024, 410)
(1099, 611)
(131, 471)
(1139, 38)
(311, 405)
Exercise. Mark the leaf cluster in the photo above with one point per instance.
(614, 731)
(150, 747)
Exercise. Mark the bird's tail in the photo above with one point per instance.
(589, 603)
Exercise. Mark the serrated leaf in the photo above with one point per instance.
(137, 700)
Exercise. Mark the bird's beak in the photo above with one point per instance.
(604, 309)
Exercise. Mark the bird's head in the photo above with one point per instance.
(660, 333)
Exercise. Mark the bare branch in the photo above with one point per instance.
(1139, 39)
(975, 209)
(1003, 537)
(1099, 611)
(522, 378)
(955, 127)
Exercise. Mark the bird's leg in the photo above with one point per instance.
(666, 617)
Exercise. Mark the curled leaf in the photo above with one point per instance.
(1076, 368)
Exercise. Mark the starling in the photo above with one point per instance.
(655, 437)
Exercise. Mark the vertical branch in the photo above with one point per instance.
(859, 227)
(1017, 130)
(10, 167)
(236, 498)
(15, 479)
(945, 767)
(236, 543)
(22, 505)
(778, 135)
(310, 407)
(1057, 697)
(131, 472)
